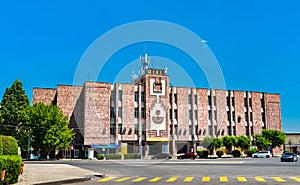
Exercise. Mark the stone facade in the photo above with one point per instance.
(151, 114)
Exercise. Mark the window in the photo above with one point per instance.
(136, 112)
(119, 128)
(112, 129)
(232, 100)
(250, 102)
(171, 129)
(234, 130)
(195, 99)
(143, 113)
(210, 129)
(112, 112)
(142, 96)
(252, 131)
(245, 102)
(216, 130)
(175, 98)
(175, 114)
(136, 96)
(170, 98)
(228, 117)
(215, 115)
(228, 101)
(120, 95)
(247, 130)
(120, 112)
(113, 95)
(190, 114)
(246, 116)
(196, 114)
(215, 100)
(209, 115)
(196, 129)
(136, 129)
(190, 130)
(251, 116)
(176, 129)
(229, 130)
(209, 99)
(233, 115)
(190, 99)
(171, 114)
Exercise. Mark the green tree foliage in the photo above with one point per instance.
(217, 143)
(243, 142)
(275, 137)
(228, 142)
(1, 147)
(14, 102)
(261, 142)
(47, 126)
(208, 142)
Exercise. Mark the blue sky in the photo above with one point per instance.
(255, 43)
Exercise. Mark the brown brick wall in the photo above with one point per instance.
(128, 118)
(97, 113)
(44, 95)
(221, 112)
(239, 112)
(183, 114)
(67, 97)
(202, 104)
(256, 111)
(273, 112)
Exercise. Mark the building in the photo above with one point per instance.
(150, 117)
(292, 142)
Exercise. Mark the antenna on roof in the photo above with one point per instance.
(145, 61)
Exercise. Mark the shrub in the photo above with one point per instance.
(113, 156)
(1, 146)
(100, 156)
(10, 145)
(220, 153)
(132, 156)
(12, 166)
(236, 153)
(251, 151)
(202, 153)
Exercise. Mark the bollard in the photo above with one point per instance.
(2, 175)
(22, 167)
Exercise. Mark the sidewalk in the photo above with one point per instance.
(54, 174)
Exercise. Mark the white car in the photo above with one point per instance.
(262, 154)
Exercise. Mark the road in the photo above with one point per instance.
(200, 171)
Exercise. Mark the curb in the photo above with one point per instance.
(68, 181)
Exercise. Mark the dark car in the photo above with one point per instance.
(162, 156)
(189, 155)
(289, 156)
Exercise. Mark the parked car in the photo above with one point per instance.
(162, 156)
(289, 156)
(189, 155)
(262, 154)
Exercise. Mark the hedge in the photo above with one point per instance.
(220, 153)
(113, 156)
(202, 153)
(236, 153)
(132, 156)
(100, 156)
(12, 166)
(251, 151)
(10, 145)
(1, 146)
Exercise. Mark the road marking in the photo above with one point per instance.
(278, 179)
(122, 179)
(296, 179)
(260, 179)
(155, 179)
(172, 179)
(188, 179)
(106, 179)
(205, 179)
(139, 179)
(241, 179)
(223, 179)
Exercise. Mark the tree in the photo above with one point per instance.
(217, 143)
(242, 142)
(261, 142)
(47, 127)
(275, 137)
(228, 142)
(14, 101)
